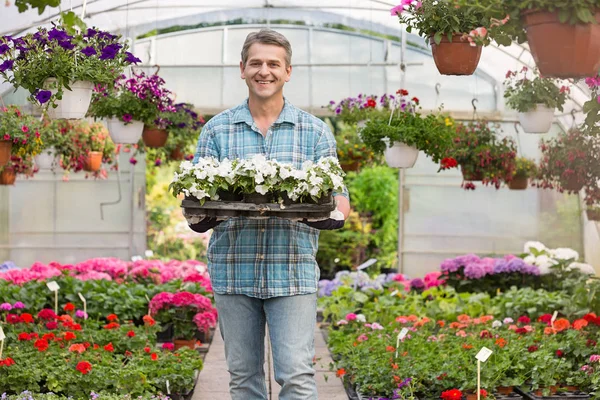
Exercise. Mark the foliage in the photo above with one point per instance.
(64, 54)
(24, 5)
(20, 165)
(431, 134)
(592, 106)
(22, 129)
(352, 110)
(524, 94)
(351, 150)
(140, 98)
(525, 168)
(481, 155)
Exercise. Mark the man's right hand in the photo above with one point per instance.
(205, 224)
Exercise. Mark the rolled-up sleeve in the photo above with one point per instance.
(206, 146)
(326, 147)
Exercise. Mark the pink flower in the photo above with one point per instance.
(595, 358)
(25, 129)
(342, 322)
(362, 338)
(397, 10)
(168, 346)
(351, 317)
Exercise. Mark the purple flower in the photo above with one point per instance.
(157, 162)
(6, 65)
(89, 51)
(449, 265)
(90, 33)
(59, 35)
(417, 283)
(127, 118)
(404, 382)
(131, 59)
(109, 52)
(43, 96)
(80, 314)
(500, 266)
(181, 125)
(18, 305)
(132, 161)
(4, 48)
(5, 307)
(475, 270)
(66, 44)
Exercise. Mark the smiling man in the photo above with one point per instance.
(264, 271)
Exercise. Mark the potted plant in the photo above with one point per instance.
(16, 165)
(352, 152)
(401, 135)
(562, 36)
(20, 134)
(55, 143)
(456, 34)
(130, 105)
(356, 110)
(59, 66)
(593, 213)
(535, 99)
(481, 155)
(524, 170)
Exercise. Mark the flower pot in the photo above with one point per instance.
(562, 50)
(8, 176)
(540, 392)
(571, 185)
(154, 137)
(179, 343)
(93, 161)
(455, 58)
(47, 158)
(400, 155)
(475, 176)
(230, 195)
(350, 166)
(518, 183)
(122, 133)
(166, 335)
(538, 120)
(504, 390)
(177, 154)
(5, 149)
(74, 103)
(257, 198)
(593, 215)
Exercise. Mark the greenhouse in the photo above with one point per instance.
(292, 199)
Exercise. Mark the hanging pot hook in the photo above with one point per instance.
(573, 119)
(474, 106)
(157, 69)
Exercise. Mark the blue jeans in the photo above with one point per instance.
(291, 322)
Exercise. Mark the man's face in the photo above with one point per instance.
(265, 71)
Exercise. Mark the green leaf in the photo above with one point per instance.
(437, 38)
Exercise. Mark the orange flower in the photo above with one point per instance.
(464, 318)
(549, 331)
(441, 323)
(340, 372)
(500, 342)
(397, 379)
(148, 320)
(66, 318)
(394, 366)
(404, 354)
(390, 348)
(579, 324)
(413, 318)
(461, 333)
(486, 318)
(467, 346)
(422, 322)
(78, 347)
(112, 317)
(561, 324)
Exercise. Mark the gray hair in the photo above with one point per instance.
(267, 36)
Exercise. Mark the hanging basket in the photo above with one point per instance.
(518, 183)
(124, 133)
(74, 103)
(400, 155)
(473, 177)
(93, 161)
(593, 215)
(177, 154)
(455, 58)
(46, 159)
(5, 149)
(562, 50)
(8, 176)
(350, 166)
(154, 137)
(571, 185)
(538, 120)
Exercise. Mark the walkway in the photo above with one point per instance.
(213, 382)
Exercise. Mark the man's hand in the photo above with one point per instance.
(205, 224)
(334, 221)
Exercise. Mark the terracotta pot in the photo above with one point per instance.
(93, 161)
(505, 390)
(540, 392)
(571, 185)
(455, 58)
(593, 215)
(571, 388)
(350, 166)
(8, 177)
(154, 137)
(518, 183)
(177, 154)
(562, 50)
(179, 343)
(5, 148)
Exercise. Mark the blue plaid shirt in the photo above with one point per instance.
(265, 257)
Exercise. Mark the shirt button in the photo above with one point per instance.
(262, 230)
(262, 256)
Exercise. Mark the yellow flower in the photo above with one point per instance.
(356, 146)
(341, 153)
(448, 122)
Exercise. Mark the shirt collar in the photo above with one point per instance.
(288, 114)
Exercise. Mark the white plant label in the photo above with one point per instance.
(53, 286)
(394, 293)
(484, 354)
(168, 388)
(81, 297)
(2, 336)
(401, 336)
(553, 318)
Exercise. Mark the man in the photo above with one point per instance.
(264, 270)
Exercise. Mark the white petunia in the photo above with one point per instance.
(564, 253)
(534, 245)
(262, 189)
(583, 268)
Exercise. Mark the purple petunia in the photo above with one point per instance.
(109, 52)
(4, 48)
(127, 117)
(58, 35)
(417, 283)
(89, 51)
(157, 162)
(90, 33)
(66, 44)
(6, 65)
(181, 125)
(43, 96)
(131, 59)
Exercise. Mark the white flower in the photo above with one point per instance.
(508, 320)
(262, 189)
(496, 324)
(564, 253)
(583, 268)
(534, 245)
(376, 326)
(361, 318)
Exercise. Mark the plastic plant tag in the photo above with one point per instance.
(81, 297)
(553, 318)
(53, 286)
(84, 304)
(484, 354)
(2, 336)
(394, 293)
(147, 298)
(401, 336)
(168, 388)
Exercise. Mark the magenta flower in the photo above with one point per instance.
(168, 346)
(18, 305)
(127, 118)
(5, 307)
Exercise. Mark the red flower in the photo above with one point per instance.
(340, 372)
(442, 376)
(560, 353)
(402, 92)
(24, 336)
(27, 318)
(546, 318)
(41, 345)
(46, 314)
(84, 367)
(391, 349)
(148, 320)
(448, 163)
(70, 336)
(128, 353)
(69, 307)
(371, 103)
(86, 344)
(168, 346)
(524, 319)
(485, 334)
(591, 343)
(48, 336)
(7, 362)
(147, 349)
(112, 317)
(75, 327)
(453, 394)
(131, 334)
(483, 393)
(112, 325)
(532, 349)
(154, 356)
(51, 325)
(109, 347)
(591, 317)
(521, 331)
(416, 100)
(13, 318)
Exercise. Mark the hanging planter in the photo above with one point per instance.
(400, 155)
(455, 58)
(562, 50)
(5, 149)
(8, 176)
(93, 161)
(176, 154)
(124, 133)
(538, 120)
(593, 214)
(47, 158)
(74, 103)
(518, 183)
(154, 137)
